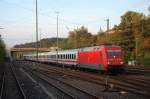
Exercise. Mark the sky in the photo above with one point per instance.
(17, 17)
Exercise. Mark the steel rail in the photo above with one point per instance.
(2, 85)
(117, 84)
(63, 82)
(59, 89)
(19, 86)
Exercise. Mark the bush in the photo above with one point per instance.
(144, 61)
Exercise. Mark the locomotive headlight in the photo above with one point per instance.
(121, 62)
(108, 62)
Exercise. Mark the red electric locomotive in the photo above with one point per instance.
(104, 57)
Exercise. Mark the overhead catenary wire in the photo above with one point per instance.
(42, 14)
(53, 17)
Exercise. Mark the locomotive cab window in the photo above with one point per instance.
(113, 52)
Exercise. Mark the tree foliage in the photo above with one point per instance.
(44, 43)
(2, 51)
(80, 38)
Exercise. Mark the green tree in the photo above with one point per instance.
(80, 38)
(2, 51)
(71, 40)
(131, 26)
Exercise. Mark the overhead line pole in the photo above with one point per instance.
(107, 25)
(107, 20)
(37, 31)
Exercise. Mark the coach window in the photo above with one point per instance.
(71, 56)
(68, 56)
(65, 56)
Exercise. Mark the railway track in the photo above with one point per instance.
(81, 91)
(2, 84)
(10, 86)
(138, 69)
(124, 84)
(64, 87)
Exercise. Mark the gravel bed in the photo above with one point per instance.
(30, 88)
(90, 87)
